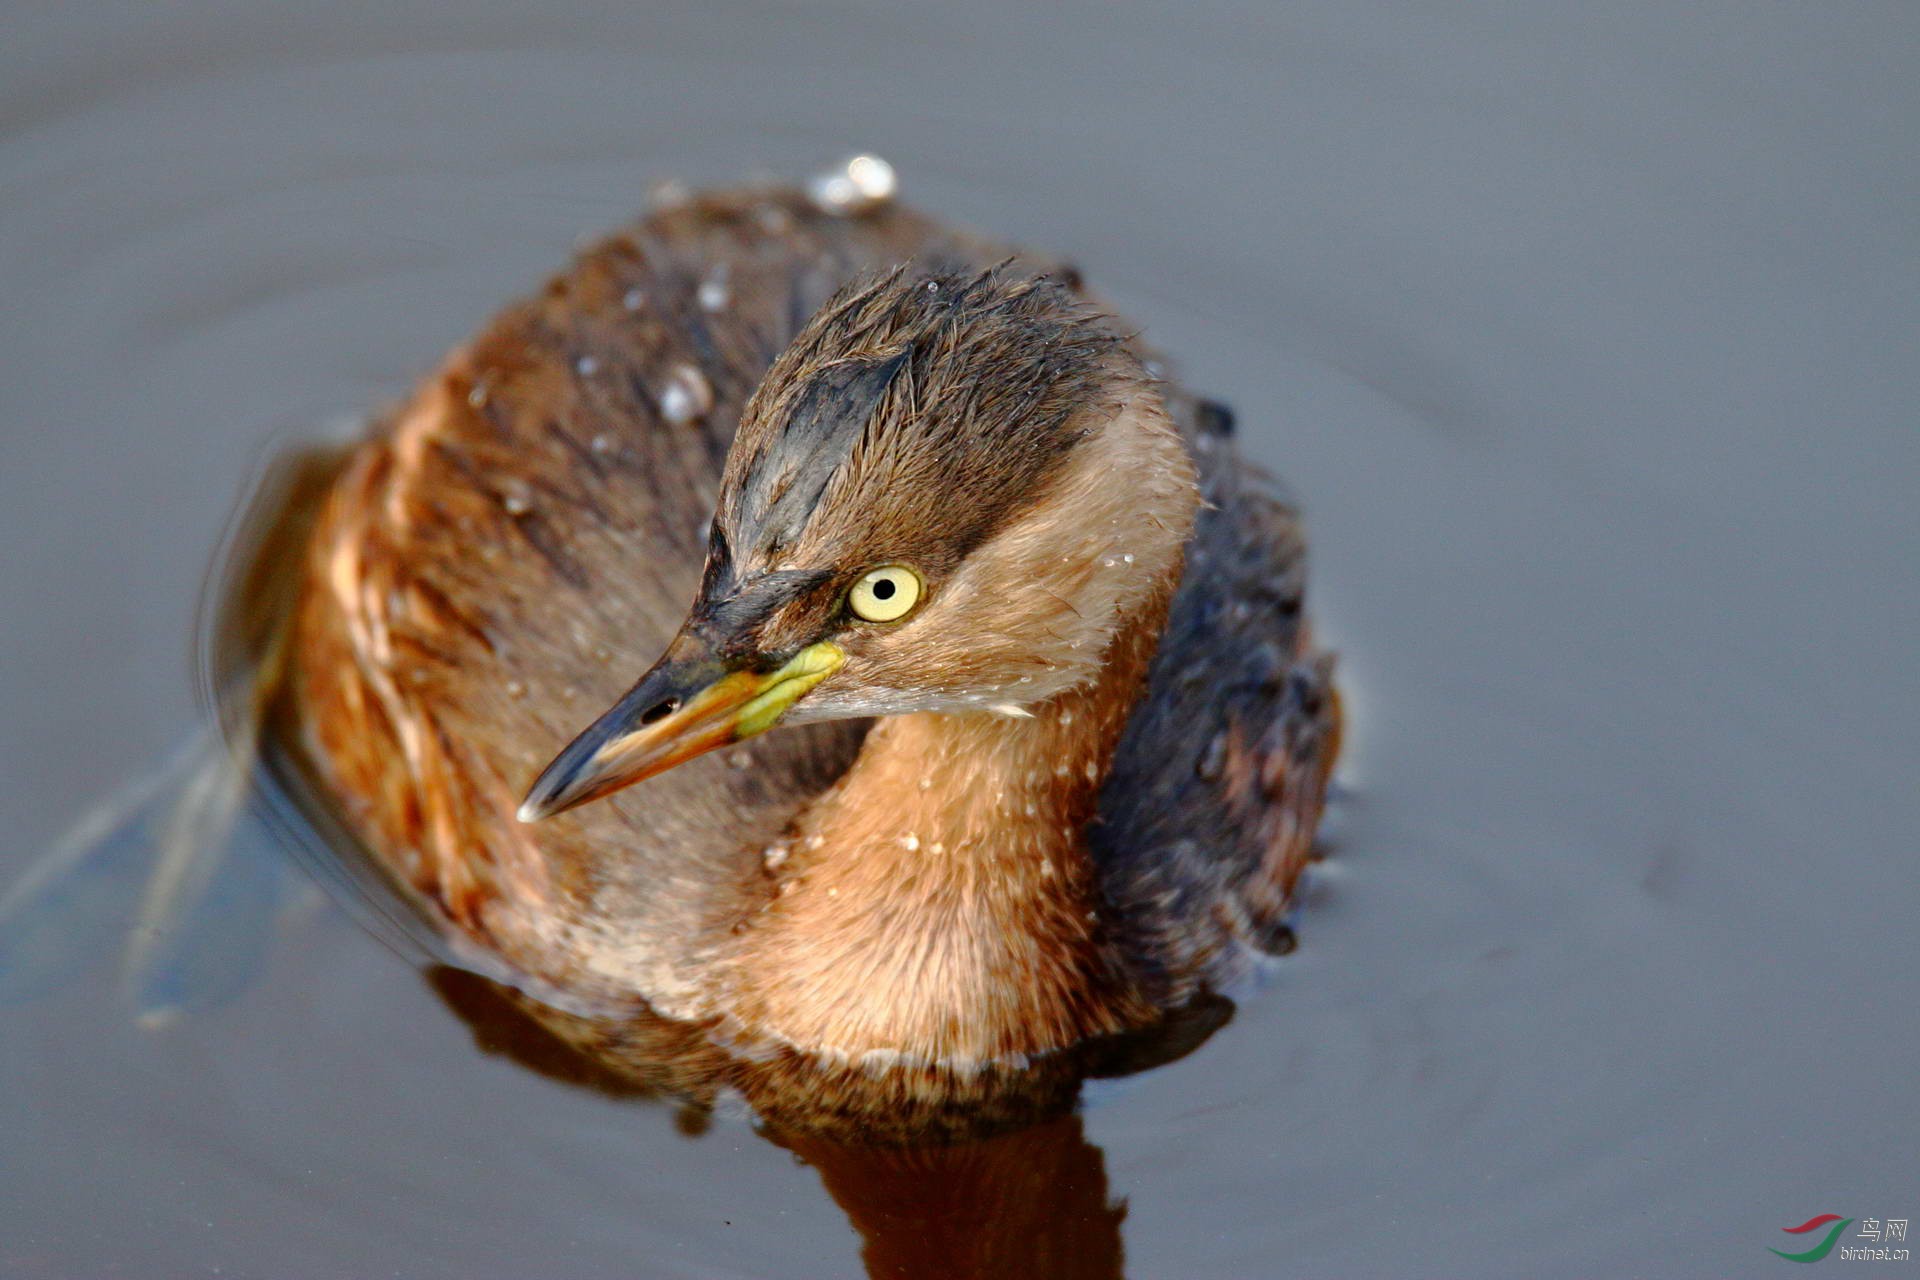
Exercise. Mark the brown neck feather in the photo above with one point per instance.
(939, 904)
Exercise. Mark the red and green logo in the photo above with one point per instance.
(1822, 1249)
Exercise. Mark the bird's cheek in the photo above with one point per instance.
(873, 662)
(862, 687)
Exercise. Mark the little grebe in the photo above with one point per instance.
(1052, 738)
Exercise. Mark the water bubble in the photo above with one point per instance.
(739, 759)
(602, 443)
(516, 502)
(862, 184)
(634, 299)
(926, 784)
(874, 177)
(587, 366)
(477, 395)
(670, 193)
(713, 291)
(773, 855)
(910, 842)
(515, 689)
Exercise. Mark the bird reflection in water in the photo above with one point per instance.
(1017, 1192)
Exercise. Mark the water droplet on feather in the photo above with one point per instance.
(686, 396)
(862, 184)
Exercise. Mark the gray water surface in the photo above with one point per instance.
(1590, 337)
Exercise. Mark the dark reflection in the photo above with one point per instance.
(1032, 1202)
(999, 1182)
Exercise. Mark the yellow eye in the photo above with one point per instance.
(885, 594)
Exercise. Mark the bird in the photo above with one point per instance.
(808, 631)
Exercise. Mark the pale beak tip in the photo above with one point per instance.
(562, 784)
(544, 798)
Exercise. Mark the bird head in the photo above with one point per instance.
(947, 495)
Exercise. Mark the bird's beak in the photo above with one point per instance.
(685, 707)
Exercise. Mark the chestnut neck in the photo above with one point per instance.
(939, 903)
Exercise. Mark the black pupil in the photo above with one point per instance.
(883, 589)
(660, 711)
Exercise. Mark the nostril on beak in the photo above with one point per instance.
(660, 711)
